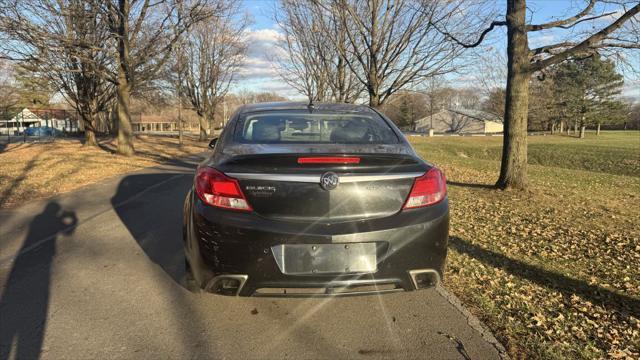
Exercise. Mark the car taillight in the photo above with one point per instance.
(217, 189)
(428, 189)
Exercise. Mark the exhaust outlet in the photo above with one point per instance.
(226, 284)
(424, 278)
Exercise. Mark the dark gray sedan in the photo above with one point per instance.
(308, 200)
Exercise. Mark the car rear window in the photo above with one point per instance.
(302, 127)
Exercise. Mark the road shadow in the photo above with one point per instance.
(150, 206)
(568, 286)
(24, 302)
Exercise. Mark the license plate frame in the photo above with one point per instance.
(317, 259)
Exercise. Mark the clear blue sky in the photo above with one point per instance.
(259, 74)
(262, 12)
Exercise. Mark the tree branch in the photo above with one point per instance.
(620, 45)
(594, 41)
(482, 35)
(548, 48)
(560, 23)
(585, 19)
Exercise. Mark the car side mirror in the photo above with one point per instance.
(212, 143)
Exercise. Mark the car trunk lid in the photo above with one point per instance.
(281, 186)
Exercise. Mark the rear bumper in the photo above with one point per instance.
(219, 242)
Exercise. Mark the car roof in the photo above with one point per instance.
(300, 105)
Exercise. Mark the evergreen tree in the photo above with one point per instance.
(586, 92)
(542, 114)
(405, 119)
(494, 103)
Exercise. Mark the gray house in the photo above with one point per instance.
(461, 121)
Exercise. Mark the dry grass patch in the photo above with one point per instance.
(39, 170)
(554, 271)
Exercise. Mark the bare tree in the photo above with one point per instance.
(440, 96)
(457, 122)
(145, 33)
(66, 43)
(431, 88)
(80, 80)
(491, 72)
(491, 75)
(8, 92)
(250, 97)
(308, 62)
(392, 44)
(616, 34)
(214, 50)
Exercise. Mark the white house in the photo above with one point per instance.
(59, 119)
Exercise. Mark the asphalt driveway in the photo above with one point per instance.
(98, 273)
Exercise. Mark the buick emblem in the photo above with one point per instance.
(329, 180)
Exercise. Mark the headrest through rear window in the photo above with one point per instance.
(352, 131)
(267, 130)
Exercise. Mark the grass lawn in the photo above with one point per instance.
(554, 271)
(38, 170)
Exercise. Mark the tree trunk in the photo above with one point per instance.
(513, 169)
(84, 108)
(342, 95)
(90, 138)
(203, 127)
(575, 128)
(374, 100)
(582, 131)
(212, 118)
(180, 140)
(561, 127)
(179, 93)
(89, 133)
(112, 119)
(125, 131)
(598, 130)
(372, 75)
(553, 128)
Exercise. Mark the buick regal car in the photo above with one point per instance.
(326, 199)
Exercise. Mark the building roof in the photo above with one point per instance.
(41, 115)
(25, 115)
(474, 114)
(477, 114)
